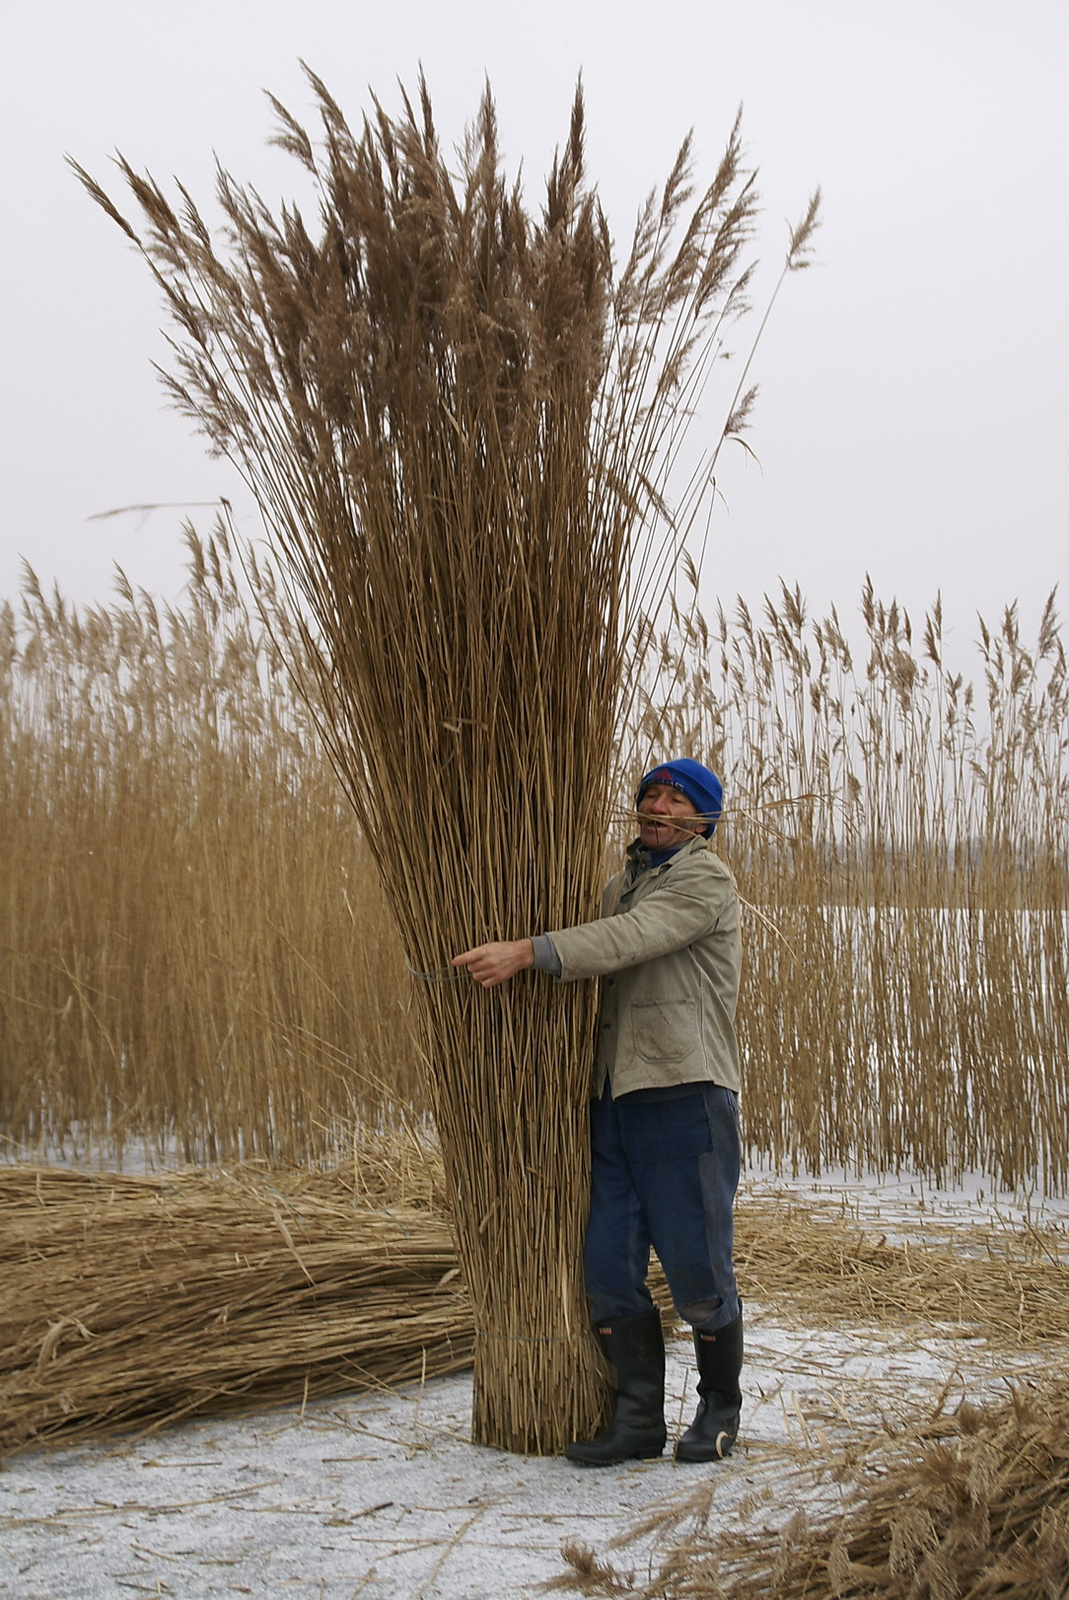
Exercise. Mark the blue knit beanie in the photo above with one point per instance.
(702, 788)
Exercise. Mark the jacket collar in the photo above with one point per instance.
(641, 860)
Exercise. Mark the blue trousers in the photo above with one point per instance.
(664, 1174)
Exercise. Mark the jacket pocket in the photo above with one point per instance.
(664, 1030)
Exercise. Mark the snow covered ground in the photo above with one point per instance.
(383, 1495)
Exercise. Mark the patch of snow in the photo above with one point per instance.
(383, 1494)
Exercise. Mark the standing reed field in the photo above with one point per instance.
(196, 955)
(195, 951)
(902, 839)
(464, 428)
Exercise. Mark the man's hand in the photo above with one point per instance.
(491, 964)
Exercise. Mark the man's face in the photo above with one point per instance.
(667, 818)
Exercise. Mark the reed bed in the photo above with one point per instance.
(194, 953)
(962, 1507)
(130, 1302)
(901, 835)
(464, 425)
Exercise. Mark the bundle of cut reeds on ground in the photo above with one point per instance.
(462, 430)
(127, 1303)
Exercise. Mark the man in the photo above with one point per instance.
(664, 1119)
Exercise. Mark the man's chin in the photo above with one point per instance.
(660, 838)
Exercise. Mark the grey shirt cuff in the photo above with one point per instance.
(545, 954)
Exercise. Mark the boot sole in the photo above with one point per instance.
(616, 1461)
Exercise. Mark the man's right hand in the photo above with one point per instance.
(491, 964)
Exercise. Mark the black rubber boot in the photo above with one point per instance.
(634, 1348)
(711, 1435)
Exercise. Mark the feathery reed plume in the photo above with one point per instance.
(462, 432)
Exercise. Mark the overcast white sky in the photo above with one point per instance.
(915, 399)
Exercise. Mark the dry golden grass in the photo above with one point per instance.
(1009, 1284)
(963, 1507)
(196, 955)
(194, 952)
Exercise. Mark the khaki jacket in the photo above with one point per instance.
(667, 949)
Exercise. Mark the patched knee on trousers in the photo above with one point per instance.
(700, 1311)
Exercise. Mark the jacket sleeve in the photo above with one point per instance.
(687, 906)
(545, 954)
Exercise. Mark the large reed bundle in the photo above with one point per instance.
(461, 433)
(128, 1303)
